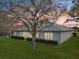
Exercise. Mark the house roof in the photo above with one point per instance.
(56, 27)
(63, 18)
(71, 24)
(50, 27)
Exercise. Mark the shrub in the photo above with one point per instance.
(17, 37)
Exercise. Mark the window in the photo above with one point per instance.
(49, 36)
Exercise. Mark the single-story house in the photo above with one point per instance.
(54, 32)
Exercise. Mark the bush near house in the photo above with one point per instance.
(77, 33)
(17, 37)
(37, 40)
(76, 29)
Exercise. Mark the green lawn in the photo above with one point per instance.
(19, 49)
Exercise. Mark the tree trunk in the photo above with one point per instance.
(33, 42)
(10, 33)
(24, 39)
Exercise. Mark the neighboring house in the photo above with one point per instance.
(52, 33)
(66, 20)
(71, 24)
(63, 18)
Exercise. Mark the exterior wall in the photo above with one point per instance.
(56, 36)
(60, 37)
(13, 34)
(53, 36)
(23, 34)
(17, 34)
(65, 36)
(41, 35)
(26, 35)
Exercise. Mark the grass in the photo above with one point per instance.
(77, 33)
(19, 49)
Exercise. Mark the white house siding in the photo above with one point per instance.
(60, 37)
(17, 34)
(27, 35)
(65, 36)
(37, 36)
(13, 34)
(41, 35)
(56, 36)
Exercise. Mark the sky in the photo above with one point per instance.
(68, 3)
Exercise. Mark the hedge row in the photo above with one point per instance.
(37, 40)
